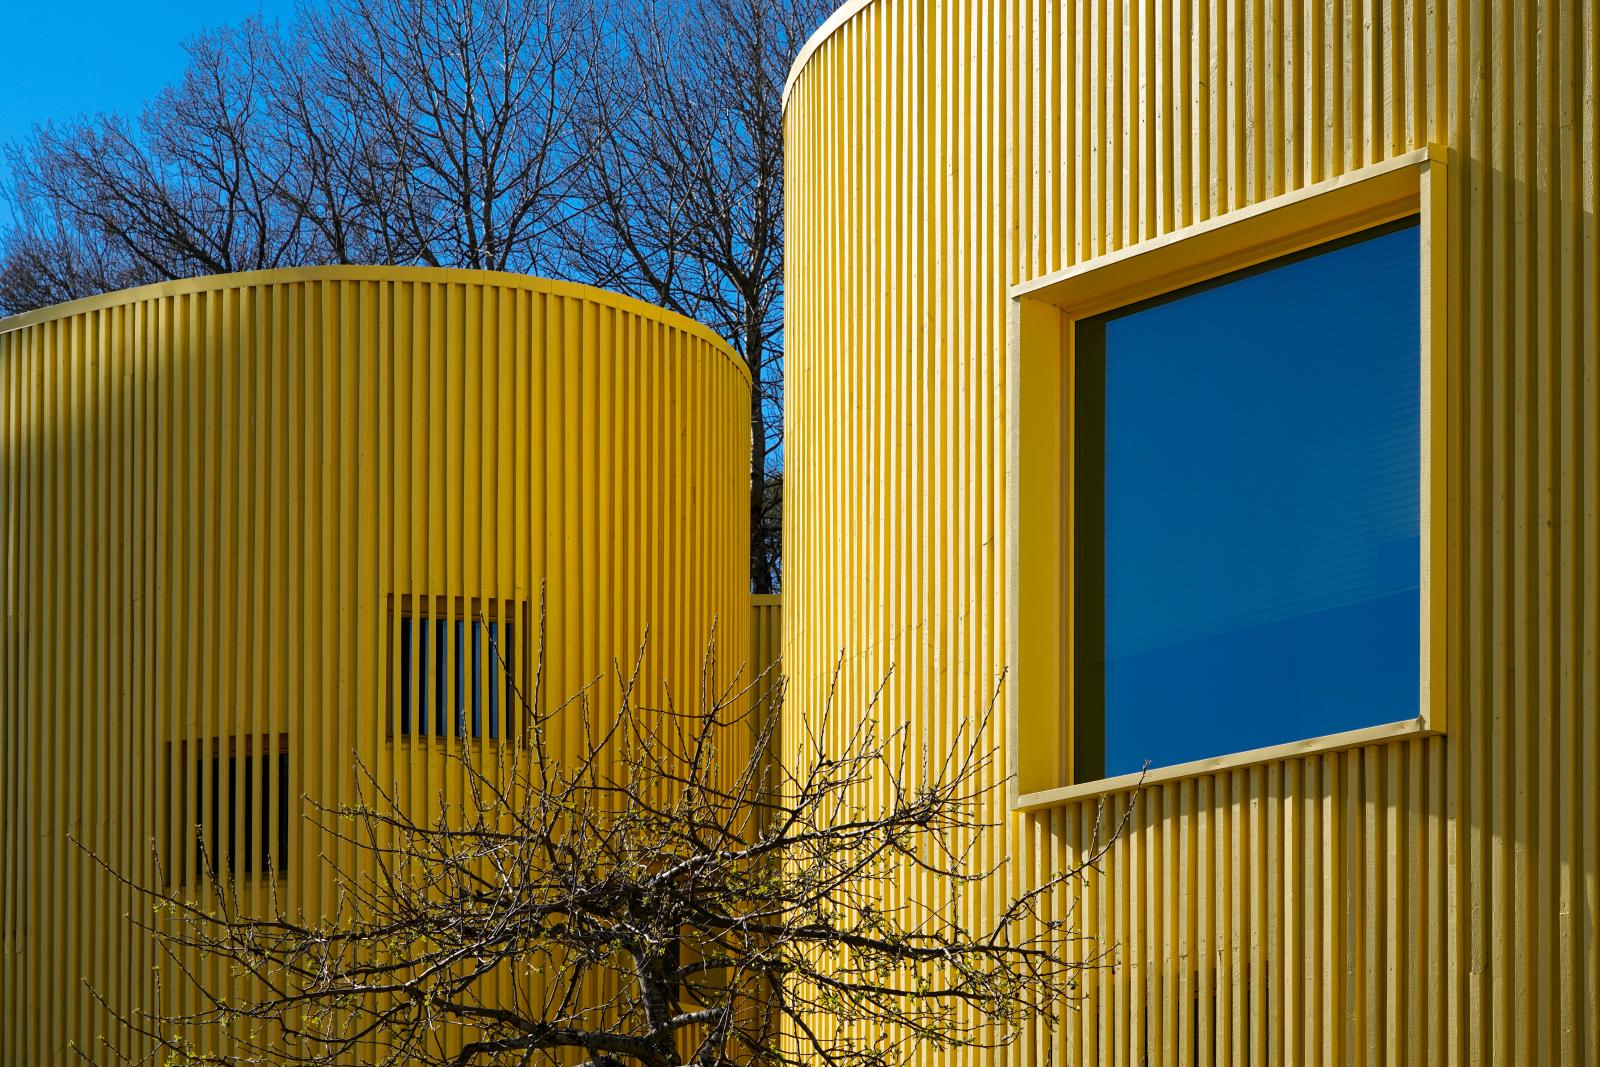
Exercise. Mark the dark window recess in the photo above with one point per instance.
(453, 672)
(240, 801)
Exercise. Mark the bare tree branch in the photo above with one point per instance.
(665, 895)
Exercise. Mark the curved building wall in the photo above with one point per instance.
(1427, 899)
(219, 496)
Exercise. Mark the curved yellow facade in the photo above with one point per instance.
(221, 502)
(1432, 897)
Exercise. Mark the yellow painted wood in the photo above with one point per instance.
(766, 636)
(766, 671)
(1413, 899)
(212, 491)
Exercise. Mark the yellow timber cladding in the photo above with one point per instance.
(219, 496)
(1428, 899)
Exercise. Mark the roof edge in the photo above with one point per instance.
(203, 283)
(843, 14)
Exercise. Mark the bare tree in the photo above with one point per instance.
(395, 131)
(668, 896)
(49, 259)
(682, 134)
(331, 155)
(460, 112)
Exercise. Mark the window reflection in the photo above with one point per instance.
(1247, 509)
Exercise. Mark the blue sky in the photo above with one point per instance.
(72, 57)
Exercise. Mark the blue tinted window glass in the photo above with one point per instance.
(423, 703)
(461, 689)
(441, 683)
(1248, 466)
(477, 678)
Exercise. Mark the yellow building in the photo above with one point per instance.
(262, 526)
(1218, 383)
(1005, 225)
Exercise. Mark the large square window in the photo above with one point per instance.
(1246, 521)
(1233, 530)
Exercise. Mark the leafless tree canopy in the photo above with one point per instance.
(367, 131)
(672, 897)
(635, 145)
(457, 116)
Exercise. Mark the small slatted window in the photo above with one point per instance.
(454, 667)
(235, 818)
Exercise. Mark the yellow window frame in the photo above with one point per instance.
(1042, 315)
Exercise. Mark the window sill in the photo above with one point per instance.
(1367, 735)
